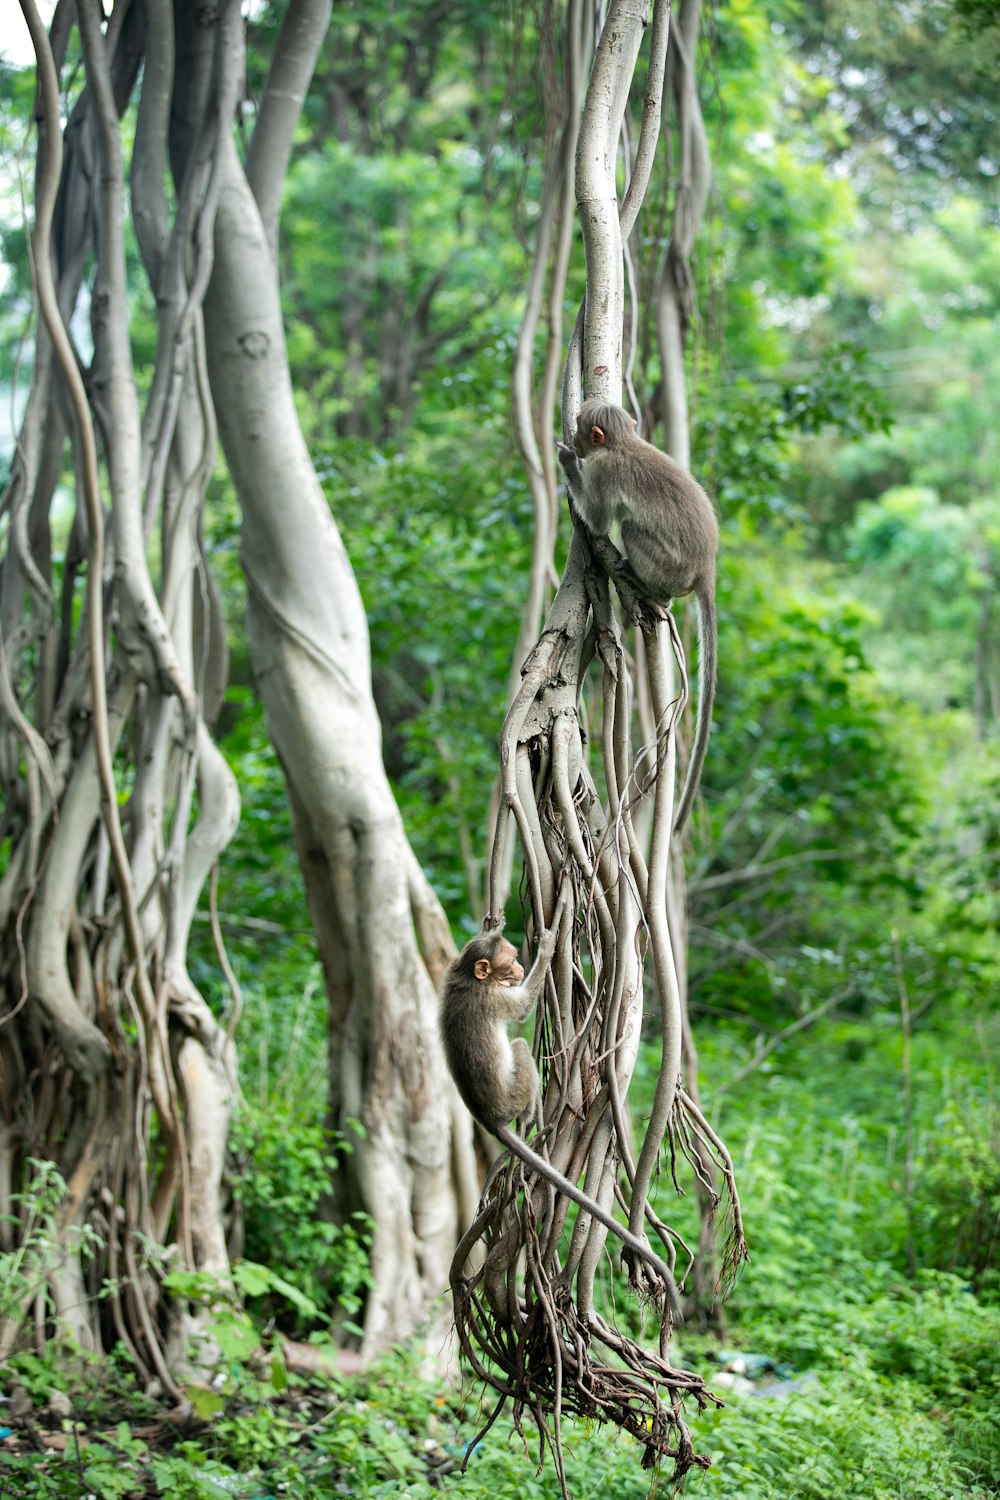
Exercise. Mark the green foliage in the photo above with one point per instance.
(843, 395)
(852, 1435)
(421, 526)
(833, 759)
(963, 889)
(412, 269)
(261, 879)
(913, 86)
(816, 795)
(262, 905)
(895, 1385)
(122, 1465)
(925, 304)
(935, 571)
(289, 1161)
(978, 14)
(751, 440)
(233, 1340)
(41, 1238)
(957, 1199)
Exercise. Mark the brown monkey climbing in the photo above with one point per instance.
(669, 532)
(484, 989)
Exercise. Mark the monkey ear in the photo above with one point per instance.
(481, 968)
(597, 435)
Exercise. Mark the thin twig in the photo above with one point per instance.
(780, 1037)
(905, 1020)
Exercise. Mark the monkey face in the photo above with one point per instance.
(505, 968)
(495, 962)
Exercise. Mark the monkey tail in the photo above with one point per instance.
(707, 659)
(570, 1190)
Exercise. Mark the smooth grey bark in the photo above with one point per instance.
(291, 72)
(597, 197)
(676, 294)
(597, 200)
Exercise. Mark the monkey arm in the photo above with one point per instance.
(570, 460)
(580, 500)
(587, 501)
(535, 981)
(585, 507)
(511, 1003)
(520, 1000)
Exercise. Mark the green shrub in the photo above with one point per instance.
(288, 1159)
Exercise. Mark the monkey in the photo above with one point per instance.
(669, 532)
(484, 988)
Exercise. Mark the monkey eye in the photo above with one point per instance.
(597, 436)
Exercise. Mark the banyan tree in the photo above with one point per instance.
(588, 756)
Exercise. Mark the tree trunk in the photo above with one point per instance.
(310, 651)
(124, 1077)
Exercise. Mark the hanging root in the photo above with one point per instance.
(532, 1346)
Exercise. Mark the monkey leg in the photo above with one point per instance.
(663, 565)
(523, 1088)
(625, 571)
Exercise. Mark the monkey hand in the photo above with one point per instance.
(547, 942)
(569, 458)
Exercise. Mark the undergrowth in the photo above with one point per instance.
(889, 1383)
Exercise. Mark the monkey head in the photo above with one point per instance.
(601, 424)
(490, 959)
(501, 967)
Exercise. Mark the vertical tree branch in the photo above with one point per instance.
(305, 25)
(904, 1014)
(597, 196)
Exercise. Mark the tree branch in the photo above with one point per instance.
(305, 25)
(769, 867)
(781, 1037)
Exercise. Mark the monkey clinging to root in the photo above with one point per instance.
(497, 1078)
(669, 533)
